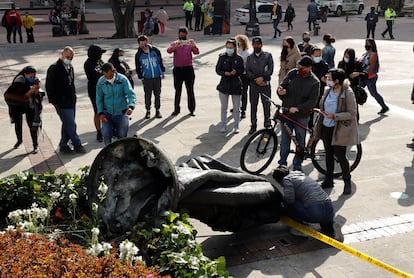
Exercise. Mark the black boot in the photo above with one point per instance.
(347, 187)
(328, 182)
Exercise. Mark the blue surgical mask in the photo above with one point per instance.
(229, 51)
(67, 61)
(317, 59)
(31, 80)
(346, 60)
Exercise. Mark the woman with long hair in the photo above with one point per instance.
(118, 60)
(25, 86)
(289, 56)
(338, 126)
(328, 51)
(243, 49)
(370, 64)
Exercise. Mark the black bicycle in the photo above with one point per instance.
(260, 149)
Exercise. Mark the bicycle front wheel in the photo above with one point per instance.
(353, 154)
(259, 151)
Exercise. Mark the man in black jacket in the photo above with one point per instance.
(93, 72)
(299, 93)
(60, 87)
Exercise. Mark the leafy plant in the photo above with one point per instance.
(169, 241)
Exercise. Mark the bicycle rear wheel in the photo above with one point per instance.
(353, 153)
(259, 151)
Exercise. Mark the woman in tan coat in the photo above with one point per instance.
(289, 57)
(338, 127)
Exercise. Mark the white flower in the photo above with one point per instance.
(54, 196)
(95, 249)
(15, 216)
(95, 233)
(106, 248)
(10, 228)
(127, 251)
(73, 197)
(95, 208)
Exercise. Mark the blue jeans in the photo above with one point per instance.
(68, 132)
(300, 135)
(322, 213)
(275, 27)
(116, 125)
(372, 88)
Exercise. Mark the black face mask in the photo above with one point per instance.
(257, 49)
(306, 39)
(183, 38)
(367, 47)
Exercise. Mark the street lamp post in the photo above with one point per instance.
(83, 29)
(252, 27)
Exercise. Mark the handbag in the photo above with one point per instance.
(360, 94)
(16, 99)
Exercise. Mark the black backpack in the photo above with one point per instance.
(156, 27)
(4, 20)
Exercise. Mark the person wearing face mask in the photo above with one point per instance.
(299, 92)
(370, 65)
(183, 71)
(320, 69)
(61, 91)
(353, 70)
(119, 61)
(328, 51)
(26, 86)
(230, 67)
(259, 69)
(289, 57)
(276, 17)
(243, 49)
(93, 71)
(305, 47)
(338, 126)
(115, 100)
(150, 70)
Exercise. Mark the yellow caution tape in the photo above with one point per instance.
(339, 245)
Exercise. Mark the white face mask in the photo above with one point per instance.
(121, 58)
(67, 61)
(112, 80)
(330, 83)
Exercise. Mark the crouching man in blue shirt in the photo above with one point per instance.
(115, 100)
(307, 202)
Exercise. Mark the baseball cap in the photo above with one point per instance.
(257, 40)
(306, 61)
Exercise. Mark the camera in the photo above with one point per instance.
(185, 42)
(35, 81)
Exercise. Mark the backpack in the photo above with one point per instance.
(156, 28)
(13, 21)
(4, 20)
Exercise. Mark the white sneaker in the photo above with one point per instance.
(223, 129)
(236, 130)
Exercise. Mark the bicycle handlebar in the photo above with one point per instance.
(286, 109)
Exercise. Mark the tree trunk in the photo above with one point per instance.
(124, 22)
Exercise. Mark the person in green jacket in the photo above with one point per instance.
(389, 15)
(188, 9)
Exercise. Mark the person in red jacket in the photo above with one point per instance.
(15, 21)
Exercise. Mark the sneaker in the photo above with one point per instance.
(252, 130)
(79, 149)
(35, 150)
(158, 114)
(223, 129)
(382, 35)
(192, 114)
(17, 144)
(99, 137)
(243, 115)
(66, 150)
(236, 130)
(175, 113)
(148, 114)
(384, 110)
(297, 233)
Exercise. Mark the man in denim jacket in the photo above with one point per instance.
(115, 101)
